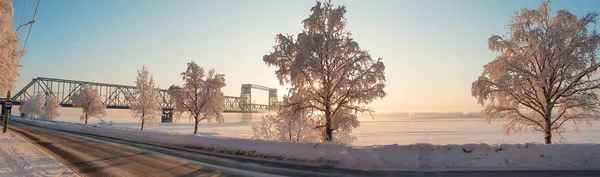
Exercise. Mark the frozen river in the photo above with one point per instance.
(380, 131)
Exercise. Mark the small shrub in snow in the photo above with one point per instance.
(291, 123)
(50, 109)
(88, 99)
(40, 106)
(34, 106)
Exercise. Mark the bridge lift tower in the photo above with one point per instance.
(248, 106)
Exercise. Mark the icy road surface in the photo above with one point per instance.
(21, 158)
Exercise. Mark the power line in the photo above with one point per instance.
(22, 19)
(30, 26)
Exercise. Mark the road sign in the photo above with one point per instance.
(7, 104)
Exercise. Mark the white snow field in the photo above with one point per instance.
(21, 158)
(386, 157)
(378, 131)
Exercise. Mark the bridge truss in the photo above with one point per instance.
(113, 95)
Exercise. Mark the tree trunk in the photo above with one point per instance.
(196, 124)
(6, 115)
(290, 130)
(85, 117)
(328, 130)
(548, 136)
(548, 129)
(142, 122)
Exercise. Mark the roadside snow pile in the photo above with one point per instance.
(103, 123)
(388, 157)
(21, 158)
(207, 134)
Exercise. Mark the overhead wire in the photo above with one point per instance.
(30, 26)
(23, 5)
(22, 19)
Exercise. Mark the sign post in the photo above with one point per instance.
(7, 106)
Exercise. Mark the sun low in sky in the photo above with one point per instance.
(433, 50)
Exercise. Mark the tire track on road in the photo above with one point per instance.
(96, 158)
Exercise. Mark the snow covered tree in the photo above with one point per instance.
(9, 56)
(145, 102)
(200, 96)
(290, 124)
(267, 128)
(294, 124)
(324, 64)
(88, 99)
(50, 109)
(23, 107)
(544, 73)
(33, 107)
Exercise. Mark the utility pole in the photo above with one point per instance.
(7, 107)
(8, 103)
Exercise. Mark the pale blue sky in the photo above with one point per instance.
(432, 50)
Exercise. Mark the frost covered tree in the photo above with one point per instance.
(9, 56)
(88, 99)
(23, 107)
(324, 64)
(33, 107)
(544, 73)
(50, 108)
(200, 96)
(291, 123)
(267, 128)
(145, 102)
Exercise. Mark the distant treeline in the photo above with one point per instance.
(431, 115)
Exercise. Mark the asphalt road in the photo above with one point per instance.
(96, 158)
(92, 155)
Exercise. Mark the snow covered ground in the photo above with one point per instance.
(386, 157)
(21, 158)
(381, 131)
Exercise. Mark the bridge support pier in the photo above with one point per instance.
(246, 117)
(167, 116)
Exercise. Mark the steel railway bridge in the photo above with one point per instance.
(113, 96)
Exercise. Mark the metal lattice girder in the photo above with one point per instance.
(232, 104)
(260, 87)
(113, 95)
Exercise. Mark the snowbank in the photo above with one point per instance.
(207, 134)
(388, 157)
(21, 158)
(103, 123)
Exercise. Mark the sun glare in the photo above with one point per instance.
(316, 85)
